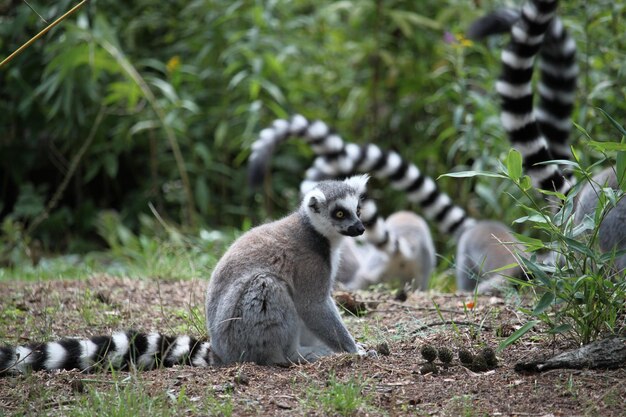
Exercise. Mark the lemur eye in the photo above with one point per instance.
(339, 214)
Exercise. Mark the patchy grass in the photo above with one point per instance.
(344, 398)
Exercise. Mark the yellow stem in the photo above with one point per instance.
(40, 34)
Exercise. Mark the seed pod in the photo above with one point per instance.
(479, 364)
(429, 353)
(490, 357)
(429, 368)
(466, 357)
(445, 354)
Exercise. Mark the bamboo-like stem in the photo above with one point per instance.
(118, 55)
(40, 34)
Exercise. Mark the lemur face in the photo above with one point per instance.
(334, 207)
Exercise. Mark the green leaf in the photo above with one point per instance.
(514, 164)
(614, 122)
(531, 243)
(620, 169)
(545, 302)
(534, 218)
(202, 195)
(470, 174)
(562, 328)
(525, 183)
(578, 246)
(110, 164)
(607, 146)
(517, 334)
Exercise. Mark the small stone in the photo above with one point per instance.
(429, 353)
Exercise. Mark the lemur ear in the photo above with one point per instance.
(306, 186)
(358, 183)
(314, 200)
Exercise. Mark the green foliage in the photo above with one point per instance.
(183, 87)
(582, 294)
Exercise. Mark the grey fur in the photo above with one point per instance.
(611, 235)
(412, 261)
(482, 250)
(269, 298)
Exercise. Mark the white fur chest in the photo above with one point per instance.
(335, 255)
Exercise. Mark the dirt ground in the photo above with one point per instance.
(390, 384)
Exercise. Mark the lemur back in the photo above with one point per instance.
(411, 263)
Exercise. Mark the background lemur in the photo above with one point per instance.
(268, 300)
(543, 135)
(392, 253)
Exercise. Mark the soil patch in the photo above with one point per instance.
(389, 384)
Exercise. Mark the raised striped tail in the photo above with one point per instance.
(121, 350)
(316, 133)
(557, 90)
(494, 23)
(535, 139)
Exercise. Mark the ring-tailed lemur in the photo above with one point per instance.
(410, 263)
(393, 253)
(268, 300)
(542, 136)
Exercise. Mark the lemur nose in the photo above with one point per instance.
(356, 229)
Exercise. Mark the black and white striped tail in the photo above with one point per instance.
(121, 350)
(336, 158)
(557, 90)
(402, 175)
(559, 72)
(515, 89)
(316, 133)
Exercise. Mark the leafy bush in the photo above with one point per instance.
(580, 293)
(165, 98)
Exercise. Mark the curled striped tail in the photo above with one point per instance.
(494, 23)
(121, 350)
(336, 158)
(316, 133)
(402, 175)
(515, 89)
